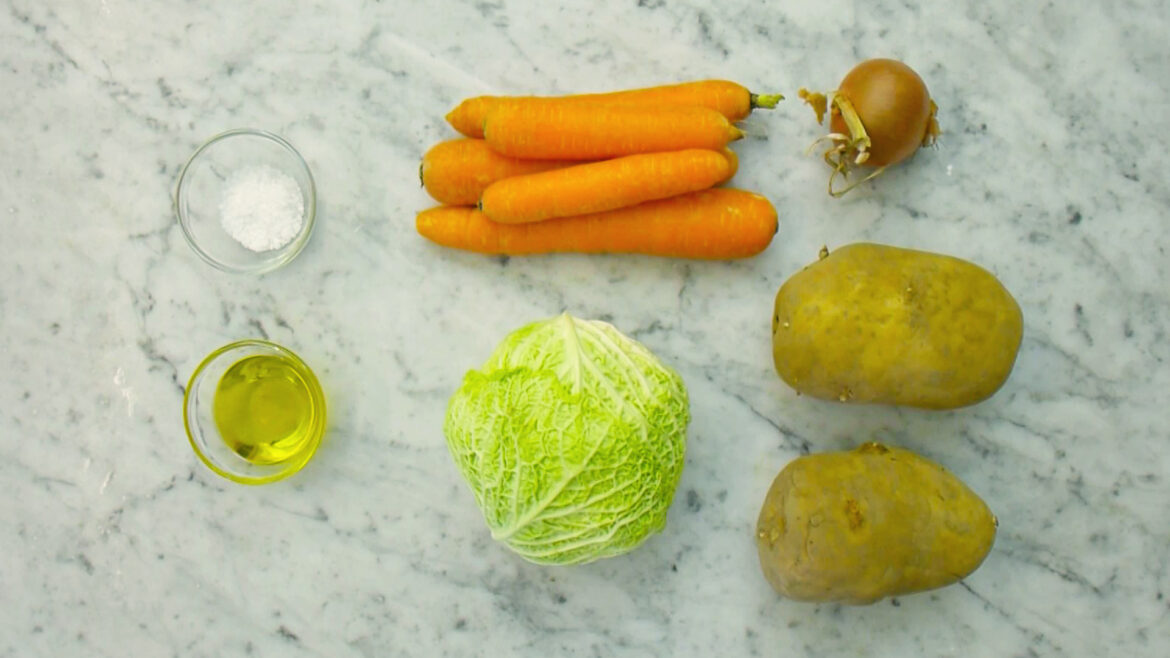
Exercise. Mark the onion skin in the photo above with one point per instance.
(894, 106)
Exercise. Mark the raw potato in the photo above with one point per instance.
(857, 526)
(872, 323)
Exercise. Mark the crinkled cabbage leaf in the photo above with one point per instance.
(572, 437)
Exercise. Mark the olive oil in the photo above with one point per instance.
(265, 410)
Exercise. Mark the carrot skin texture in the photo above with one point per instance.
(714, 224)
(730, 99)
(733, 159)
(586, 131)
(605, 185)
(457, 171)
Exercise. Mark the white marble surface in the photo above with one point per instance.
(115, 541)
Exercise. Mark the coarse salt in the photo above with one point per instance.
(262, 208)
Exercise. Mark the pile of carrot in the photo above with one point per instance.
(635, 171)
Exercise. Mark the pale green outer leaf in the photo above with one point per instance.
(572, 437)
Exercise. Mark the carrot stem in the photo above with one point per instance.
(764, 101)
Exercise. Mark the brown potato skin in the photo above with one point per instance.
(880, 324)
(854, 527)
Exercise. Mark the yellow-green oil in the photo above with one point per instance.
(265, 410)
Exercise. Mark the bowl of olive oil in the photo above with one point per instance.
(254, 412)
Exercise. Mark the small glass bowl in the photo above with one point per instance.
(200, 190)
(204, 435)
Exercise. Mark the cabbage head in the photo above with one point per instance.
(572, 437)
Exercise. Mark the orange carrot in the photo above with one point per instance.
(605, 185)
(585, 131)
(718, 223)
(457, 171)
(734, 160)
(730, 99)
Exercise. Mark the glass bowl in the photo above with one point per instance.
(201, 188)
(204, 431)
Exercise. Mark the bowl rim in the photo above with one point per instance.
(283, 255)
(293, 466)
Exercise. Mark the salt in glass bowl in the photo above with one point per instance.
(204, 435)
(201, 189)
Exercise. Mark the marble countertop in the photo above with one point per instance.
(116, 541)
